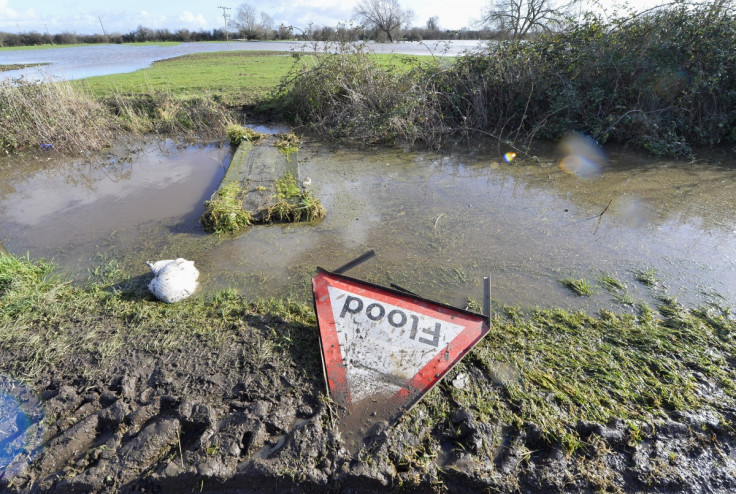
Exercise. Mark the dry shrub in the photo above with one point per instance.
(52, 114)
(163, 113)
(348, 94)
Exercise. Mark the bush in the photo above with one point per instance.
(350, 95)
(662, 81)
(51, 114)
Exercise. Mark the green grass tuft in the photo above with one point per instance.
(580, 286)
(224, 212)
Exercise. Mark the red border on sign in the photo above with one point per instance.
(475, 328)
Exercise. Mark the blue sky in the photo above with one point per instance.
(82, 16)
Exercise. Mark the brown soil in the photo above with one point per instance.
(245, 415)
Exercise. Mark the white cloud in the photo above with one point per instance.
(198, 21)
(11, 19)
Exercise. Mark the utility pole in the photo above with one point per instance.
(103, 31)
(49, 34)
(225, 16)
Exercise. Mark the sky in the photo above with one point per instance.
(83, 16)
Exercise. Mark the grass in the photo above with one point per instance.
(195, 95)
(47, 322)
(232, 78)
(224, 212)
(56, 114)
(647, 278)
(19, 66)
(551, 368)
(557, 368)
(581, 287)
(237, 133)
(611, 283)
(294, 204)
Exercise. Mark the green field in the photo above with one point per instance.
(235, 77)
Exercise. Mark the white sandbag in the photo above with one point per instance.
(174, 279)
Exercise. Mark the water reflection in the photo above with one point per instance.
(20, 433)
(439, 222)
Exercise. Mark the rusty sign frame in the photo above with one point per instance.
(416, 388)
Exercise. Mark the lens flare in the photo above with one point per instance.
(509, 157)
(583, 157)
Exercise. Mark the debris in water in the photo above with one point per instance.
(174, 279)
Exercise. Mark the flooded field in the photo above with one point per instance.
(439, 222)
(86, 61)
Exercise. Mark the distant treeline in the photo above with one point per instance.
(319, 33)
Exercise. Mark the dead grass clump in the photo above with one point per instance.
(224, 212)
(51, 115)
(287, 143)
(162, 113)
(237, 134)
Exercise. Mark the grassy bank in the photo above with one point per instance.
(194, 95)
(633, 368)
(197, 95)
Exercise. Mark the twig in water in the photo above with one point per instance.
(606, 208)
(600, 216)
(437, 220)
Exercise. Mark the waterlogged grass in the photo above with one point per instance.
(224, 212)
(550, 368)
(48, 325)
(553, 368)
(294, 204)
(19, 66)
(611, 283)
(581, 287)
(237, 133)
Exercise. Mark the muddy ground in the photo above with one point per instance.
(250, 415)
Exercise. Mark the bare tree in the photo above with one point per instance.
(518, 18)
(246, 20)
(385, 16)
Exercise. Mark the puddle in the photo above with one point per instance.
(439, 222)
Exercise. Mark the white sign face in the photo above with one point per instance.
(384, 346)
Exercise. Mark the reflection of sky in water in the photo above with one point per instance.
(439, 223)
(19, 419)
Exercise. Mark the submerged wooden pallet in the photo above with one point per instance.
(257, 168)
(261, 185)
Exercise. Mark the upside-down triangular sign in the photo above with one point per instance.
(383, 349)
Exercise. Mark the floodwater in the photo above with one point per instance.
(439, 222)
(94, 60)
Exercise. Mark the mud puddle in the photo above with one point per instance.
(439, 222)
